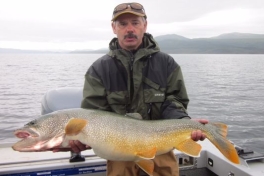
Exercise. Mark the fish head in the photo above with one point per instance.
(42, 134)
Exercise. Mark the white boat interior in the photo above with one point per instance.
(210, 163)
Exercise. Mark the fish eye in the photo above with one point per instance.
(33, 122)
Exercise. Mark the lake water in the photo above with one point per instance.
(226, 88)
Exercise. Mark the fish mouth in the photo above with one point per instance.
(33, 141)
(26, 136)
(23, 134)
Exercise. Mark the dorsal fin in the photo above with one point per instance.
(221, 128)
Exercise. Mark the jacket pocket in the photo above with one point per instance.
(153, 93)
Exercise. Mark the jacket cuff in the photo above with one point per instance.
(186, 117)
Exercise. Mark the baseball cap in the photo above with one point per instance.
(133, 8)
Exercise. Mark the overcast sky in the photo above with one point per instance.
(86, 24)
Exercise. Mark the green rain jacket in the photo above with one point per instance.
(146, 81)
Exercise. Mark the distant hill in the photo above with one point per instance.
(236, 35)
(19, 51)
(170, 37)
(7, 50)
(230, 43)
(89, 51)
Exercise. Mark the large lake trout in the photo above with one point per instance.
(117, 137)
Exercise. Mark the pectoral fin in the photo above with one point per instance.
(75, 126)
(150, 154)
(189, 147)
(146, 165)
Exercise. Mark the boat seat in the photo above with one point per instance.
(61, 98)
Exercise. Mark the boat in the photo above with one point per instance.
(210, 163)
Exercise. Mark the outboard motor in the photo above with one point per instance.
(63, 98)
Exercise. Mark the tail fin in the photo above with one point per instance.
(217, 135)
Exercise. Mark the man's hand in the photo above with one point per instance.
(197, 134)
(75, 146)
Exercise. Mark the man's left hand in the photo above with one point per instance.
(197, 134)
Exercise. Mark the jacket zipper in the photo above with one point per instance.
(131, 63)
(131, 78)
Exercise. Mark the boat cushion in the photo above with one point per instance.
(61, 98)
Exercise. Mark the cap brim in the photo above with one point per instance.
(121, 13)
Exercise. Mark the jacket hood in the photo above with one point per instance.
(149, 46)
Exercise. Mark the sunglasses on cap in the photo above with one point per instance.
(134, 8)
(124, 6)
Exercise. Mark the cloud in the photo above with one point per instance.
(214, 23)
(82, 23)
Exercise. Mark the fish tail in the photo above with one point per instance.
(217, 135)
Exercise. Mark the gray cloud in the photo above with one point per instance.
(83, 21)
(186, 10)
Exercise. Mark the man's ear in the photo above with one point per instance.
(114, 27)
(146, 25)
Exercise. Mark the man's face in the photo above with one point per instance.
(130, 30)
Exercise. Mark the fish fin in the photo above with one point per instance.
(56, 141)
(146, 165)
(75, 126)
(150, 154)
(134, 116)
(190, 147)
(221, 128)
(226, 148)
(218, 138)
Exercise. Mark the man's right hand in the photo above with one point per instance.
(75, 146)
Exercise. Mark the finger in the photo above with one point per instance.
(203, 121)
(80, 145)
(88, 147)
(77, 146)
(55, 150)
(194, 135)
(198, 135)
(74, 147)
(203, 137)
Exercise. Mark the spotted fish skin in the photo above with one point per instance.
(117, 137)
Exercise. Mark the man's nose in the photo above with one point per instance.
(130, 28)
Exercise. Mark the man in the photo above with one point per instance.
(135, 76)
